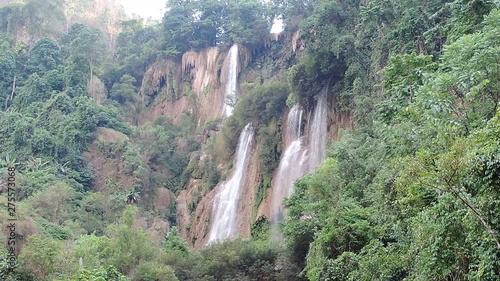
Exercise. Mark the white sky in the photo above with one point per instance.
(277, 26)
(145, 8)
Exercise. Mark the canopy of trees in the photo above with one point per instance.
(197, 24)
(410, 193)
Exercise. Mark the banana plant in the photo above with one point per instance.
(36, 164)
(63, 168)
(8, 161)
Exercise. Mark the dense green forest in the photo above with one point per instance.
(411, 192)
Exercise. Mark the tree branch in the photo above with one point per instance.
(476, 212)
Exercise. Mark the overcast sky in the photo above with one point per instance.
(145, 8)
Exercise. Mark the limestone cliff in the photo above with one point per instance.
(200, 222)
(196, 84)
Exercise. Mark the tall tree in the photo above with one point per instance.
(44, 56)
(84, 42)
(7, 72)
(248, 22)
(177, 27)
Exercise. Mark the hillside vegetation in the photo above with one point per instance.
(411, 192)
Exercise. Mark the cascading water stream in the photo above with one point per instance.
(317, 131)
(232, 80)
(225, 215)
(292, 164)
(297, 160)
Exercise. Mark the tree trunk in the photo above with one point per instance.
(478, 214)
(91, 71)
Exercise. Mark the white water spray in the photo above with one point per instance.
(298, 160)
(232, 80)
(292, 164)
(318, 131)
(225, 214)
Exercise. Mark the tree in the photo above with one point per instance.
(44, 56)
(124, 91)
(154, 271)
(129, 246)
(52, 204)
(137, 47)
(40, 256)
(177, 27)
(248, 22)
(11, 18)
(84, 42)
(210, 23)
(42, 17)
(173, 242)
(36, 89)
(109, 274)
(76, 76)
(198, 24)
(91, 249)
(7, 73)
(293, 11)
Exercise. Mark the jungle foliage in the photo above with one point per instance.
(411, 193)
(204, 23)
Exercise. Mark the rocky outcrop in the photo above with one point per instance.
(297, 43)
(201, 67)
(195, 225)
(197, 84)
(157, 76)
(170, 109)
(105, 166)
(113, 176)
(103, 14)
(163, 201)
(247, 198)
(204, 70)
(264, 208)
(340, 121)
(158, 228)
(166, 92)
(161, 91)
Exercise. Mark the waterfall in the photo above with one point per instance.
(232, 80)
(224, 217)
(298, 158)
(292, 164)
(318, 130)
(293, 124)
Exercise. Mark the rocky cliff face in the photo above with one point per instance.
(197, 85)
(195, 226)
